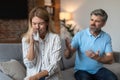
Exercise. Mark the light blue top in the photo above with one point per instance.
(84, 41)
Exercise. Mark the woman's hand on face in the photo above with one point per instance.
(33, 31)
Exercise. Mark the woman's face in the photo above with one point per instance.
(39, 25)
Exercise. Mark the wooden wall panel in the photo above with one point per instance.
(56, 15)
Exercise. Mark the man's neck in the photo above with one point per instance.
(95, 33)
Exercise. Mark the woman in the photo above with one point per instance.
(41, 47)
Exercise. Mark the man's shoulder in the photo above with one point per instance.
(106, 34)
(82, 32)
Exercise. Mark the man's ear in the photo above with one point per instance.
(104, 23)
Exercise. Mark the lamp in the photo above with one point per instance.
(48, 2)
(65, 16)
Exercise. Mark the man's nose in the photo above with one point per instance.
(92, 23)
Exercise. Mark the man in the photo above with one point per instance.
(93, 49)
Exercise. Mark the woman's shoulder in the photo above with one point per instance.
(23, 39)
(54, 34)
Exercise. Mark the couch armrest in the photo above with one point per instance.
(116, 56)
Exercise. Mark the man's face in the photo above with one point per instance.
(96, 23)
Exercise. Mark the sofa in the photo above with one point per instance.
(12, 68)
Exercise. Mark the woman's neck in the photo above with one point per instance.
(43, 35)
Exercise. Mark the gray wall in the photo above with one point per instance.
(82, 8)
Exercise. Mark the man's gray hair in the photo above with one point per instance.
(100, 12)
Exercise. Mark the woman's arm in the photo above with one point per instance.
(39, 75)
(28, 57)
(31, 53)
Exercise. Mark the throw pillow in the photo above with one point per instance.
(13, 69)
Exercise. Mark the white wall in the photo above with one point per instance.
(81, 13)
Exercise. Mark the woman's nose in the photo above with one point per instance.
(37, 26)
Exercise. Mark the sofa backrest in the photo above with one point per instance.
(10, 51)
(66, 63)
(14, 51)
(117, 56)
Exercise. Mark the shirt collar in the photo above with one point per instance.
(88, 32)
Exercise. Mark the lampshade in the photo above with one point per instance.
(65, 16)
(48, 2)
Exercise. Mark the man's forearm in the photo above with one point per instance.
(67, 54)
(106, 59)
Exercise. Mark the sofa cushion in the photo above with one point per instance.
(13, 69)
(10, 51)
(117, 56)
(68, 74)
(67, 63)
(115, 68)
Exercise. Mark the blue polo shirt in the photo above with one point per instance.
(84, 41)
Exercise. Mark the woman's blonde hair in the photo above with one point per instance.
(42, 13)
